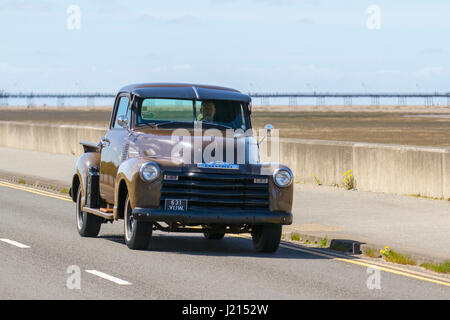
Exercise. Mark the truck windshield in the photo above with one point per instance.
(229, 114)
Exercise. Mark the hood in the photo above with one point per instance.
(212, 150)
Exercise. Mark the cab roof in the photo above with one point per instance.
(185, 91)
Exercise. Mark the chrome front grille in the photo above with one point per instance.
(216, 190)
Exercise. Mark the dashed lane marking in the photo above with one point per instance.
(108, 277)
(15, 243)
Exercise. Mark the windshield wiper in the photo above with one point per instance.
(172, 122)
(149, 124)
(217, 125)
(160, 124)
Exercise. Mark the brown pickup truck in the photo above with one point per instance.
(181, 158)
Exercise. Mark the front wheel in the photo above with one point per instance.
(266, 238)
(88, 225)
(137, 233)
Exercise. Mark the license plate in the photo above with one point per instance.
(176, 205)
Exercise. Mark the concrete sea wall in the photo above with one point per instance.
(47, 138)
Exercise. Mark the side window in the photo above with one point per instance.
(122, 110)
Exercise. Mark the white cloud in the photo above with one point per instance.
(27, 6)
(428, 72)
(145, 17)
(387, 72)
(292, 2)
(304, 21)
(276, 2)
(181, 20)
(182, 67)
(433, 51)
(186, 19)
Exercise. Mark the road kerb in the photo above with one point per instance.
(354, 246)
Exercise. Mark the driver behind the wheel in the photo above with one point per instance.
(207, 111)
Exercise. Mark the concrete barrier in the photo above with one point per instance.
(411, 170)
(400, 169)
(317, 161)
(446, 174)
(47, 138)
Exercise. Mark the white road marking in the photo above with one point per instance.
(108, 277)
(15, 243)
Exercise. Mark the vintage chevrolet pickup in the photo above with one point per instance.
(181, 158)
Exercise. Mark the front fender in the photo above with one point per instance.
(281, 199)
(141, 193)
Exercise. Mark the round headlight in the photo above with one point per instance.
(149, 171)
(283, 177)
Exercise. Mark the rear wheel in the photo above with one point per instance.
(88, 225)
(266, 238)
(137, 233)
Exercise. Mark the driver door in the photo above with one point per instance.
(113, 144)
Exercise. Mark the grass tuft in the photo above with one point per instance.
(441, 268)
(418, 195)
(371, 252)
(22, 181)
(349, 180)
(323, 242)
(295, 236)
(395, 257)
(317, 180)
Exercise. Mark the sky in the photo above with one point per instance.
(250, 45)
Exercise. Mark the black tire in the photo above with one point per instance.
(137, 233)
(266, 238)
(211, 235)
(88, 224)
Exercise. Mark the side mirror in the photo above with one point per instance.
(268, 128)
(123, 121)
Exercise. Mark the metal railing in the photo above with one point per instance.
(264, 97)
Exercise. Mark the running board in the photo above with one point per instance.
(107, 216)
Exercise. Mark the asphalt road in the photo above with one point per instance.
(410, 225)
(176, 266)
